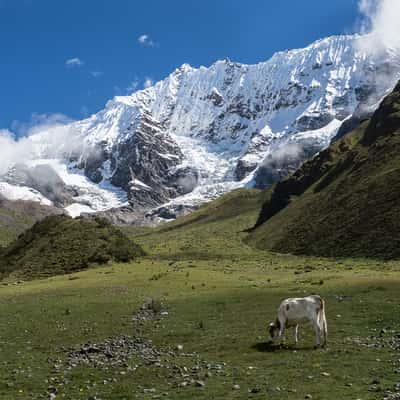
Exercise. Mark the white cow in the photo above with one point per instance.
(296, 311)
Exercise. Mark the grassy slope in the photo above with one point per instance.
(220, 295)
(345, 201)
(214, 231)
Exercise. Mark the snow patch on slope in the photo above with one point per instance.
(91, 197)
(13, 192)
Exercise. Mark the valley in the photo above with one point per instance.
(214, 297)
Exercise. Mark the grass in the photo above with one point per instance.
(224, 320)
(220, 294)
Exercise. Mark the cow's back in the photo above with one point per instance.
(300, 310)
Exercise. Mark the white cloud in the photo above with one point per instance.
(74, 62)
(45, 136)
(381, 20)
(145, 40)
(148, 82)
(12, 151)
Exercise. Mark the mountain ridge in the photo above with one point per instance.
(204, 131)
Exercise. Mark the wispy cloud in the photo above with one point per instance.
(146, 40)
(74, 62)
(132, 87)
(96, 74)
(148, 82)
(39, 122)
(84, 111)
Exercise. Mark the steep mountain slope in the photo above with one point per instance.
(59, 245)
(17, 216)
(345, 201)
(204, 131)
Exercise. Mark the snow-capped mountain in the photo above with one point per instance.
(204, 131)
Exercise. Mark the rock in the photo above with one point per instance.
(145, 159)
(243, 168)
(179, 347)
(200, 383)
(308, 396)
(236, 387)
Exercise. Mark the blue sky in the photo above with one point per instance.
(71, 56)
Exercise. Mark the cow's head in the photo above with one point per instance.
(274, 328)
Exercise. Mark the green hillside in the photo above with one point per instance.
(345, 201)
(59, 245)
(215, 230)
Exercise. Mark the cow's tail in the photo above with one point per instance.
(322, 321)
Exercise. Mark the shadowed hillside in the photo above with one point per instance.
(345, 201)
(59, 245)
(16, 216)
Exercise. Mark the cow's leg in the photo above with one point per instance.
(296, 334)
(325, 328)
(282, 337)
(317, 330)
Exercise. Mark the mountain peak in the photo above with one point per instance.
(204, 131)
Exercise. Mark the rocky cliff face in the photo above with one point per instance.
(204, 131)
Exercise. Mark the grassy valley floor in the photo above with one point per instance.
(87, 336)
